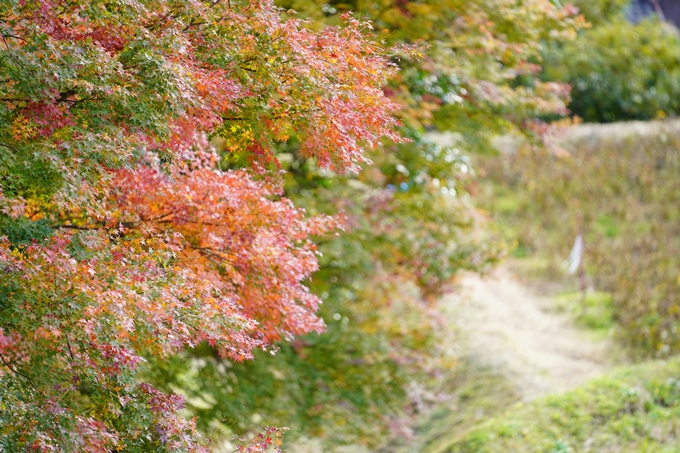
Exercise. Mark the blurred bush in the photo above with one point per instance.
(599, 12)
(618, 70)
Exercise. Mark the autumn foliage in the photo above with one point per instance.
(410, 229)
(127, 238)
(124, 235)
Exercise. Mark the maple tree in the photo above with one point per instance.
(126, 238)
(124, 235)
(410, 230)
(479, 75)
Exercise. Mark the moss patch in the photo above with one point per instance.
(635, 409)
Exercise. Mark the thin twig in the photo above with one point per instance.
(18, 373)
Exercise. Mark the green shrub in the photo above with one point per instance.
(599, 12)
(620, 71)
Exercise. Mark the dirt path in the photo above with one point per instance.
(512, 347)
(505, 325)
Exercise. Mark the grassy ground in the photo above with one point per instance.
(619, 186)
(478, 392)
(632, 409)
(512, 354)
(593, 312)
(481, 392)
(636, 409)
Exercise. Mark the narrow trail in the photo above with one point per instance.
(505, 325)
(513, 347)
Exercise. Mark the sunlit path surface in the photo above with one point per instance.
(513, 347)
(507, 326)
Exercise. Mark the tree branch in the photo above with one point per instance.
(18, 373)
